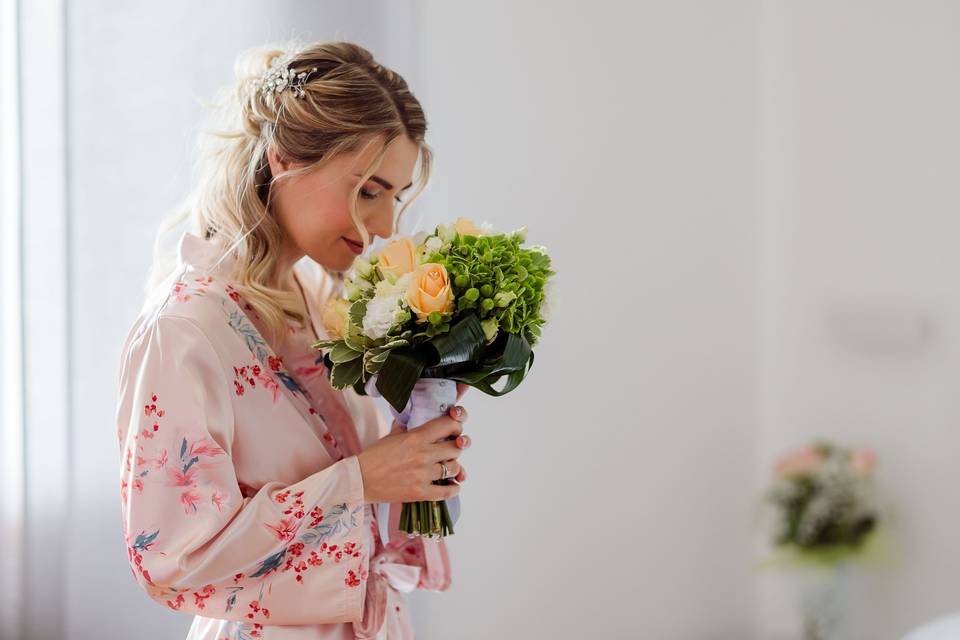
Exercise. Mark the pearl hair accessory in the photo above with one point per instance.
(280, 76)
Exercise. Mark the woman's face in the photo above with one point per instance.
(313, 210)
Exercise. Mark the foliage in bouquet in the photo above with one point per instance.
(461, 303)
(824, 502)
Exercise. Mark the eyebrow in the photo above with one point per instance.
(383, 183)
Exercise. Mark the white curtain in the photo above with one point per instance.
(11, 404)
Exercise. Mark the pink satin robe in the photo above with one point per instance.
(242, 496)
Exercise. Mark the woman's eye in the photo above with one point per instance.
(373, 196)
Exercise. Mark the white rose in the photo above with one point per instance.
(433, 243)
(380, 315)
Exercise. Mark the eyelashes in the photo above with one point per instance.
(373, 196)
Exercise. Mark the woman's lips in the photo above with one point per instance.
(356, 248)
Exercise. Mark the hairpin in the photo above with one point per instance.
(280, 76)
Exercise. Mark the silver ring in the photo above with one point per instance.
(445, 471)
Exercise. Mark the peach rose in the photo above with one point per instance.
(334, 318)
(430, 291)
(799, 463)
(398, 257)
(465, 227)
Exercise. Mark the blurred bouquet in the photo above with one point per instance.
(823, 495)
(826, 515)
(460, 304)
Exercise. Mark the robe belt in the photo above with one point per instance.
(384, 574)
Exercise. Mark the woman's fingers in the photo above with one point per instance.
(441, 428)
(461, 389)
(437, 492)
(444, 450)
(453, 469)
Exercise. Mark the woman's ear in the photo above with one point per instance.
(278, 164)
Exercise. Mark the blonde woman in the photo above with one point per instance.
(248, 483)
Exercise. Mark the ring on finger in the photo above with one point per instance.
(446, 472)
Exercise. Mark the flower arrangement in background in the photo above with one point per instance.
(824, 500)
(826, 516)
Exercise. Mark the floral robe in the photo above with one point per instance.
(242, 496)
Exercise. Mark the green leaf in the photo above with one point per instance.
(514, 362)
(360, 387)
(463, 343)
(393, 344)
(344, 374)
(399, 374)
(342, 352)
(357, 310)
(380, 357)
(352, 343)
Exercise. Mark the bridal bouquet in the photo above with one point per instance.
(460, 304)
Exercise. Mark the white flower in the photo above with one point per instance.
(433, 243)
(380, 316)
(386, 307)
(397, 287)
(447, 234)
(486, 229)
(362, 266)
(355, 288)
(419, 237)
(549, 300)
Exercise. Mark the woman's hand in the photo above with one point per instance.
(401, 467)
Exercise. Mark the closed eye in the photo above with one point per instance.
(373, 196)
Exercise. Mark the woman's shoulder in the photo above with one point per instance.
(189, 301)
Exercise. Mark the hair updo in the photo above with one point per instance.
(349, 101)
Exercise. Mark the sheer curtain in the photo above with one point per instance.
(35, 397)
(11, 361)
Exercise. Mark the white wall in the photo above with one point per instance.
(609, 496)
(859, 192)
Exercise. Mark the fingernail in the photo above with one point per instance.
(458, 410)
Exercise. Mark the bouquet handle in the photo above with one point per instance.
(429, 399)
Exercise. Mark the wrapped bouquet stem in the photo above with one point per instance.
(460, 304)
(429, 399)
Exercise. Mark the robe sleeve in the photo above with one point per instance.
(197, 541)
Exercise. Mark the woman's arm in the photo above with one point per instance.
(289, 554)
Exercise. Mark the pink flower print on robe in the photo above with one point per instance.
(213, 537)
(195, 542)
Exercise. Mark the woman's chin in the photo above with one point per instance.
(344, 262)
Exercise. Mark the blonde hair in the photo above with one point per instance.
(350, 101)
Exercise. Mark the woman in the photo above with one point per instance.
(248, 482)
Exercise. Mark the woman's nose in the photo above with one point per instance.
(382, 223)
